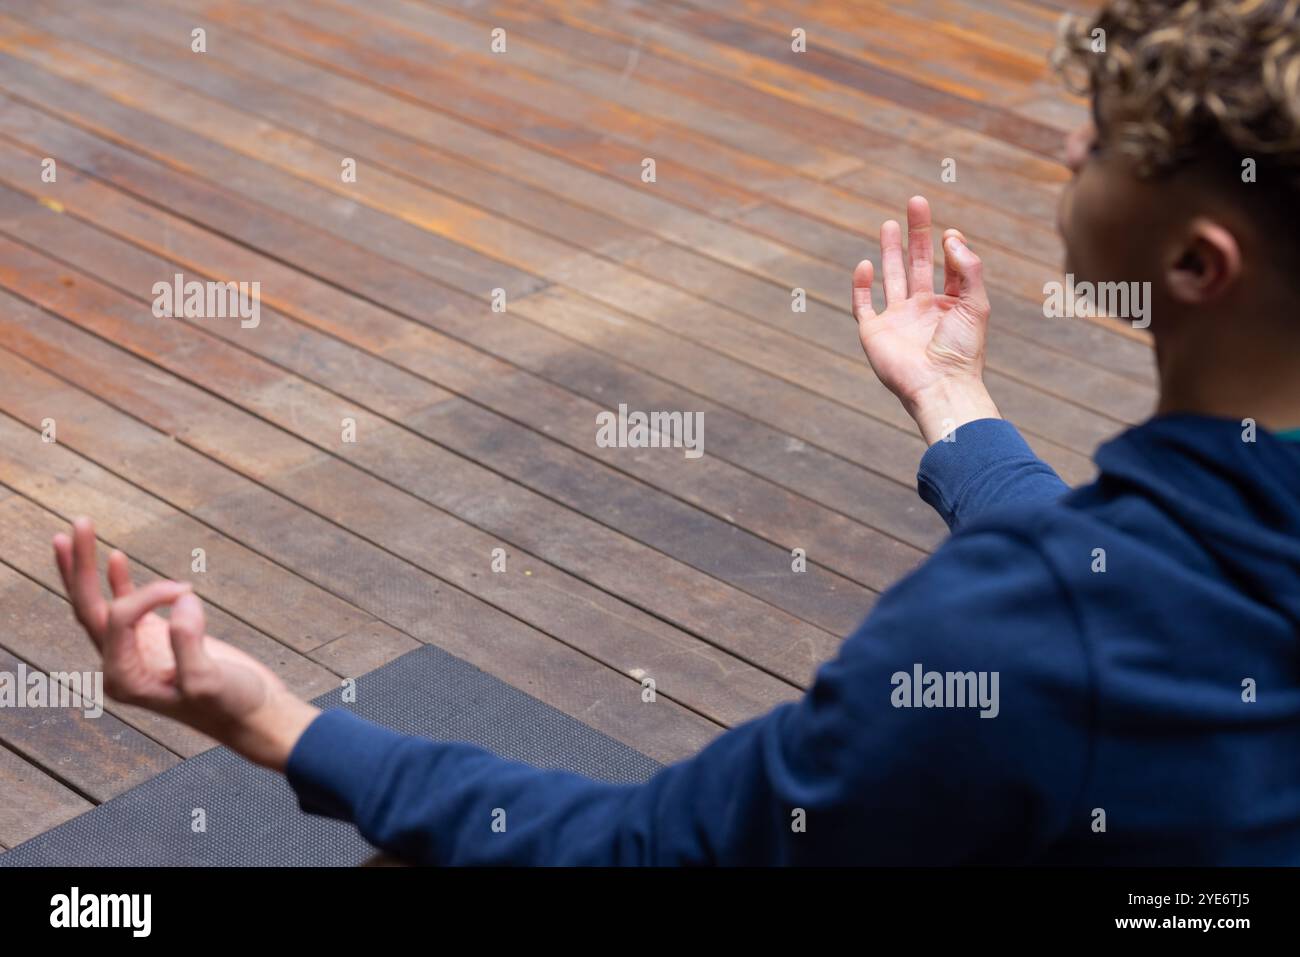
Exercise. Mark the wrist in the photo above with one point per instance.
(267, 736)
(948, 404)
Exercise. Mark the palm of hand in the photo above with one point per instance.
(145, 665)
(144, 669)
(916, 342)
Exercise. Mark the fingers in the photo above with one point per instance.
(119, 575)
(951, 279)
(83, 588)
(962, 269)
(891, 262)
(968, 273)
(129, 609)
(919, 245)
(187, 628)
(862, 279)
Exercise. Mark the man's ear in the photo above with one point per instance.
(1207, 264)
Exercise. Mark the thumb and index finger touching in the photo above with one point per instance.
(109, 624)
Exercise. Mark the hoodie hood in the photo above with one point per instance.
(1239, 499)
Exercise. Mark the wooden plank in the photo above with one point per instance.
(39, 626)
(394, 286)
(140, 230)
(363, 650)
(506, 447)
(33, 801)
(565, 27)
(420, 531)
(934, 54)
(433, 25)
(66, 484)
(466, 43)
(797, 362)
(98, 756)
(1021, 26)
(954, 109)
(906, 510)
(570, 682)
(410, 463)
(349, 564)
(599, 86)
(770, 300)
(891, 126)
(801, 122)
(271, 599)
(806, 419)
(765, 181)
(126, 446)
(159, 55)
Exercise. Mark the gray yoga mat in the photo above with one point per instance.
(252, 815)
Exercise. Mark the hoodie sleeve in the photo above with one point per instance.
(879, 763)
(986, 464)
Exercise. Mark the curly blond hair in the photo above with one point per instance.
(1180, 80)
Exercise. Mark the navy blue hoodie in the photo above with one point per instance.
(1109, 675)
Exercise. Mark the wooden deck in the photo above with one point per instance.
(475, 429)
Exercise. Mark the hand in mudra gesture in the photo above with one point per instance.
(172, 666)
(927, 347)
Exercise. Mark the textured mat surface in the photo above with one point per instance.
(251, 814)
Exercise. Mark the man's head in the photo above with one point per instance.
(1189, 176)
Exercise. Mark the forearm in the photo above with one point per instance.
(447, 803)
(848, 774)
(450, 803)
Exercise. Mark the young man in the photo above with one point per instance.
(1110, 675)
